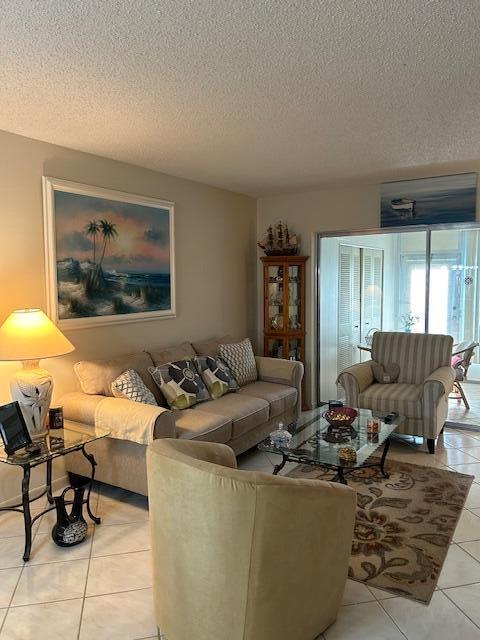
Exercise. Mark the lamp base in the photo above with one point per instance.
(32, 387)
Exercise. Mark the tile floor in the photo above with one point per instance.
(458, 413)
(101, 590)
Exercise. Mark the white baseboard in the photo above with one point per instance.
(56, 484)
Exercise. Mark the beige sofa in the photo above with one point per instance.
(241, 555)
(240, 419)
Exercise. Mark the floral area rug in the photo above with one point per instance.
(404, 524)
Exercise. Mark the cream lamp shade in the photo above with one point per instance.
(29, 335)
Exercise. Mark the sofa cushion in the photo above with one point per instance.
(211, 347)
(96, 376)
(201, 425)
(180, 383)
(240, 359)
(246, 412)
(405, 399)
(162, 355)
(216, 375)
(279, 396)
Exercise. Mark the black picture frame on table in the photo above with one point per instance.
(13, 428)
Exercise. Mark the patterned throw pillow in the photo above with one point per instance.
(130, 386)
(216, 375)
(180, 384)
(240, 360)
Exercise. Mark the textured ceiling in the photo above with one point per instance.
(255, 96)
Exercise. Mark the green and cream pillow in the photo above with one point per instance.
(180, 384)
(216, 375)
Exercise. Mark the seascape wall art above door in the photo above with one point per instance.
(426, 201)
(109, 255)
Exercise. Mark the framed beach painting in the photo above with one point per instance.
(109, 255)
(441, 200)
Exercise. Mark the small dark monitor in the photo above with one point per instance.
(13, 429)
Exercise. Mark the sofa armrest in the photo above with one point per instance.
(439, 383)
(356, 379)
(81, 407)
(281, 371)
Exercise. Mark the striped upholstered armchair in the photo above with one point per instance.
(420, 393)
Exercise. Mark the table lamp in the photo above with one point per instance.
(29, 335)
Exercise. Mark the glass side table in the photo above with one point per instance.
(59, 442)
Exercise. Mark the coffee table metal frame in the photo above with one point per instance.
(340, 470)
(319, 426)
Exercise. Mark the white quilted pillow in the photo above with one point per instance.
(130, 386)
(240, 359)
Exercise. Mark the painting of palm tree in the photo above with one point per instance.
(109, 232)
(113, 255)
(92, 230)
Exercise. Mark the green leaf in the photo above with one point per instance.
(396, 503)
(363, 500)
(396, 562)
(412, 519)
(369, 569)
(438, 539)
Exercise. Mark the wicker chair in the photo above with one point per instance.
(461, 360)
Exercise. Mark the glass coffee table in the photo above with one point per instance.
(310, 445)
(59, 442)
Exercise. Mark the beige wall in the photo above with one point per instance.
(215, 234)
(306, 214)
(340, 209)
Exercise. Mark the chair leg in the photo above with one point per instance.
(462, 393)
(431, 445)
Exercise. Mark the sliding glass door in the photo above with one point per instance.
(413, 280)
(454, 288)
(366, 283)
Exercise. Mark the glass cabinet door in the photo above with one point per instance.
(275, 348)
(295, 350)
(276, 298)
(295, 320)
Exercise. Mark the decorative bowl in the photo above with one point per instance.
(340, 416)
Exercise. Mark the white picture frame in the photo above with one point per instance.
(84, 291)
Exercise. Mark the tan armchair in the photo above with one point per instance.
(423, 386)
(242, 555)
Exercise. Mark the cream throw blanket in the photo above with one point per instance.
(127, 420)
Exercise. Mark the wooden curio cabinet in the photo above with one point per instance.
(284, 308)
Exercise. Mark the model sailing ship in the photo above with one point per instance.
(278, 241)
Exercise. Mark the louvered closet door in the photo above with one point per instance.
(349, 284)
(372, 290)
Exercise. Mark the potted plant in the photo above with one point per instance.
(409, 320)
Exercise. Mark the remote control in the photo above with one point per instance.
(33, 448)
